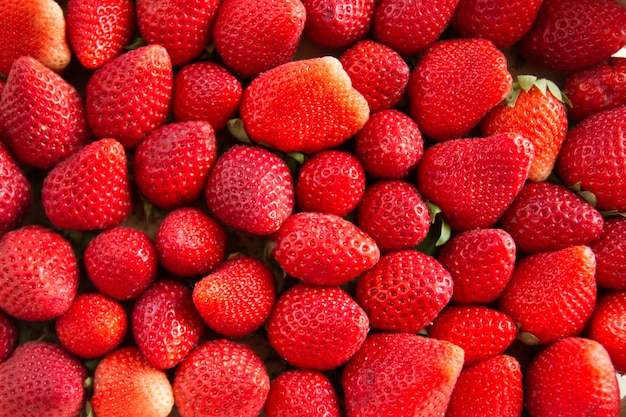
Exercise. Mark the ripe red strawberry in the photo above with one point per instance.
(302, 393)
(596, 88)
(90, 190)
(93, 326)
(394, 214)
(43, 116)
(98, 32)
(404, 291)
(304, 106)
(552, 294)
(126, 385)
(390, 145)
(171, 164)
(129, 96)
(606, 327)
(16, 192)
(330, 182)
(43, 379)
(560, 37)
(206, 91)
(237, 297)
(401, 375)
(610, 252)
(410, 26)
(481, 263)
(8, 336)
(35, 28)
(455, 84)
(473, 181)
(165, 323)
(34, 254)
(189, 242)
(121, 262)
(251, 37)
(323, 249)
(482, 332)
(377, 72)
(492, 387)
(221, 377)
(535, 110)
(594, 156)
(503, 22)
(338, 23)
(250, 189)
(572, 377)
(183, 28)
(316, 327)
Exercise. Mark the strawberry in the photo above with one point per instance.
(480, 262)
(93, 326)
(35, 28)
(189, 242)
(594, 156)
(482, 332)
(16, 192)
(394, 214)
(377, 72)
(606, 327)
(172, 163)
(569, 35)
(338, 23)
(304, 106)
(596, 88)
(572, 377)
(42, 115)
(534, 110)
(221, 377)
(121, 262)
(401, 374)
(454, 85)
(42, 378)
(205, 91)
(492, 387)
(390, 145)
(165, 323)
(90, 190)
(8, 336)
(183, 28)
(252, 37)
(551, 294)
(98, 32)
(129, 96)
(316, 327)
(323, 249)
(610, 252)
(404, 291)
(302, 393)
(503, 22)
(250, 189)
(473, 181)
(38, 273)
(126, 385)
(330, 182)
(410, 26)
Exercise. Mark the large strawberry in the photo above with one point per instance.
(338, 23)
(90, 190)
(473, 181)
(305, 106)
(8, 336)
(606, 326)
(610, 251)
(16, 192)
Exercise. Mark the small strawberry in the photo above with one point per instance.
(250, 189)
(455, 84)
(304, 106)
(316, 327)
(221, 377)
(16, 192)
(8, 336)
(606, 326)
(323, 249)
(402, 375)
(126, 385)
(404, 291)
(90, 190)
(38, 273)
(473, 181)
(338, 23)
(610, 252)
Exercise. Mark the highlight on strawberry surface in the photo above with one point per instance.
(310, 208)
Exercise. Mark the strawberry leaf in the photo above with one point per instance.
(588, 196)
(236, 128)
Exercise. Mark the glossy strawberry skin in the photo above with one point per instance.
(8, 336)
(610, 252)
(338, 23)
(606, 327)
(17, 192)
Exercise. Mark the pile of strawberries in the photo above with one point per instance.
(312, 208)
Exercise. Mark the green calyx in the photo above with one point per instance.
(527, 82)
